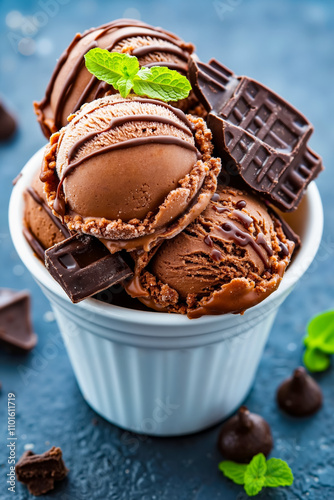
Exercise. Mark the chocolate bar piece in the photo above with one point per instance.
(16, 333)
(83, 266)
(8, 124)
(262, 134)
(39, 472)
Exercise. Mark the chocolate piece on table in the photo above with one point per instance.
(83, 266)
(264, 136)
(8, 124)
(39, 472)
(16, 331)
(299, 395)
(245, 435)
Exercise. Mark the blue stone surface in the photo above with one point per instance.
(288, 45)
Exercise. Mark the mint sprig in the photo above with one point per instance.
(319, 342)
(258, 474)
(123, 73)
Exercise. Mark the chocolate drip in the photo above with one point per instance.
(48, 210)
(221, 210)
(232, 232)
(260, 240)
(244, 218)
(216, 255)
(208, 241)
(121, 120)
(148, 49)
(240, 204)
(59, 203)
(215, 197)
(284, 249)
(181, 68)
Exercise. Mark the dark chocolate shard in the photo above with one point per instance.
(16, 333)
(212, 83)
(8, 124)
(262, 134)
(83, 266)
(39, 472)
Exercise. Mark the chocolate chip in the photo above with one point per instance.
(299, 395)
(245, 435)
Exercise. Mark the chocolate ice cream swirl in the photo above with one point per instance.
(71, 84)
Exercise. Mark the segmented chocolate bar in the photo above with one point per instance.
(83, 266)
(259, 131)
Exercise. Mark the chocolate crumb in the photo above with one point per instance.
(39, 472)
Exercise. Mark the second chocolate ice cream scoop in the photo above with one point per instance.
(229, 259)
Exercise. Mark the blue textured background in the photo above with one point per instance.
(288, 45)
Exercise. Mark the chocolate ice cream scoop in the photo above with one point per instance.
(71, 84)
(130, 170)
(299, 395)
(229, 259)
(245, 435)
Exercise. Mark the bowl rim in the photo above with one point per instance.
(311, 242)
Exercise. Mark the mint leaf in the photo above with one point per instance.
(233, 471)
(278, 473)
(123, 73)
(124, 86)
(255, 475)
(320, 332)
(112, 68)
(319, 342)
(258, 473)
(316, 360)
(161, 83)
(254, 487)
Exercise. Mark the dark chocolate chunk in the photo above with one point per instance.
(299, 395)
(262, 134)
(16, 333)
(8, 124)
(39, 472)
(245, 435)
(83, 266)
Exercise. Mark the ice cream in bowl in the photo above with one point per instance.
(162, 238)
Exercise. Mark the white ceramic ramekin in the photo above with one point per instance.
(158, 373)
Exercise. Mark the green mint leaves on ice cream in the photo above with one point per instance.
(122, 71)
